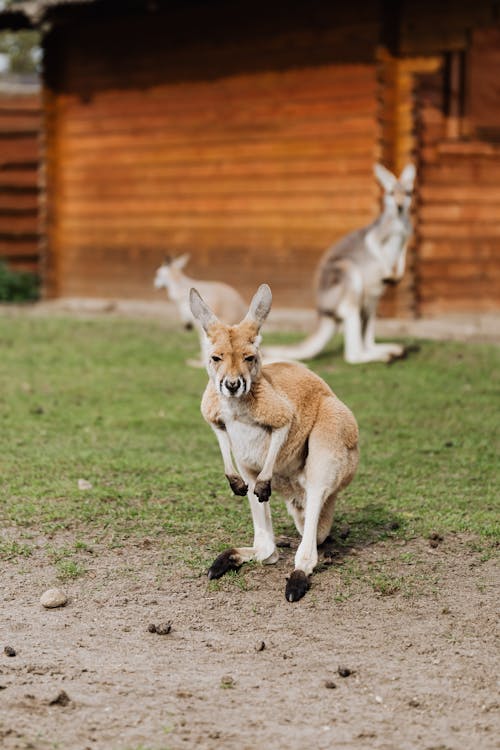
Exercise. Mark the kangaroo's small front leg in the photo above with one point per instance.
(262, 489)
(237, 484)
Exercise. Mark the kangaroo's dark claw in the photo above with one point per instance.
(237, 484)
(262, 491)
(296, 586)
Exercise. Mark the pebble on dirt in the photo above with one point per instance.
(260, 646)
(330, 684)
(53, 598)
(9, 651)
(344, 671)
(61, 699)
(163, 629)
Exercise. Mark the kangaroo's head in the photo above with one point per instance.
(232, 352)
(168, 274)
(398, 192)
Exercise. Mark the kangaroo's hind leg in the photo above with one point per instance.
(330, 465)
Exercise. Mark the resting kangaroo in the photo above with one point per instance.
(286, 431)
(352, 276)
(224, 300)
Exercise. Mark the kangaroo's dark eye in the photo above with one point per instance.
(216, 359)
(250, 358)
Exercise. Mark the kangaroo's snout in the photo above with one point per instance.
(232, 386)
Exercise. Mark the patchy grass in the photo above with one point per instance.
(112, 402)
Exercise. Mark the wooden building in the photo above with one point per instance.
(19, 174)
(246, 133)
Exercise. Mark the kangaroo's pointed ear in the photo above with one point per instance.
(386, 178)
(181, 261)
(201, 310)
(407, 176)
(260, 306)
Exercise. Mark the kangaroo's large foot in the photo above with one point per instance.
(296, 586)
(228, 560)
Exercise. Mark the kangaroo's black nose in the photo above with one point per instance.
(232, 385)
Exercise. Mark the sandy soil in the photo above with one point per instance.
(242, 668)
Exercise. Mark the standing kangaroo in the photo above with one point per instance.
(285, 429)
(352, 275)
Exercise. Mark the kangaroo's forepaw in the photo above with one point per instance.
(237, 484)
(296, 586)
(227, 560)
(262, 490)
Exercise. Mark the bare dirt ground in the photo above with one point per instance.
(423, 660)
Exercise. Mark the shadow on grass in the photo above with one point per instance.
(361, 528)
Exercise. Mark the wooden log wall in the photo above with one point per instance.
(254, 173)
(459, 214)
(19, 191)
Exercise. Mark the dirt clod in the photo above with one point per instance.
(260, 646)
(227, 681)
(152, 628)
(9, 651)
(61, 699)
(414, 702)
(344, 671)
(162, 629)
(330, 684)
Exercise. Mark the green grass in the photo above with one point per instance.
(112, 401)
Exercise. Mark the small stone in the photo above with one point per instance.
(414, 702)
(61, 699)
(344, 671)
(152, 628)
(83, 484)
(379, 699)
(330, 685)
(53, 598)
(164, 628)
(260, 646)
(9, 651)
(433, 543)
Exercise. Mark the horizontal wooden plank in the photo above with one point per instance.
(18, 202)
(15, 225)
(472, 192)
(145, 186)
(233, 115)
(342, 168)
(487, 213)
(18, 180)
(265, 204)
(459, 230)
(78, 224)
(100, 158)
(437, 271)
(451, 251)
(19, 249)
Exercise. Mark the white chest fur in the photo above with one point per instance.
(249, 440)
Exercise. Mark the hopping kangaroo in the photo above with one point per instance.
(284, 428)
(352, 275)
(225, 301)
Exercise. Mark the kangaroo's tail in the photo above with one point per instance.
(307, 349)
